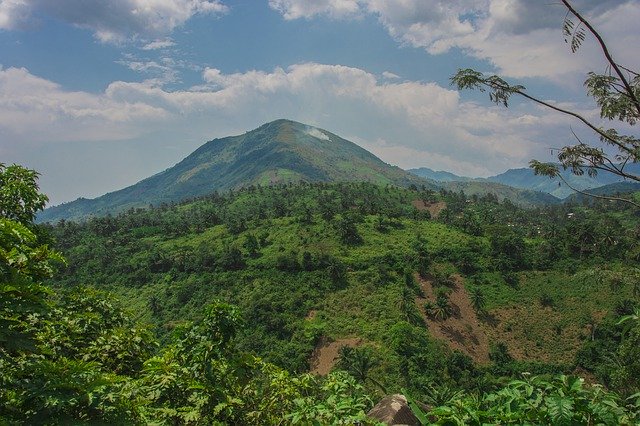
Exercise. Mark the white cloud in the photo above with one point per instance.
(521, 38)
(159, 44)
(14, 13)
(389, 75)
(294, 9)
(33, 109)
(159, 72)
(423, 124)
(113, 20)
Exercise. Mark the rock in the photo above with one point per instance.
(394, 410)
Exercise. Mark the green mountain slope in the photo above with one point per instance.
(278, 152)
(312, 265)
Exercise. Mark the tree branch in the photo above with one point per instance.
(607, 54)
(620, 145)
(602, 197)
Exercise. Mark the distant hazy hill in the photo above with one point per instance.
(611, 189)
(522, 197)
(479, 186)
(525, 178)
(278, 152)
(438, 176)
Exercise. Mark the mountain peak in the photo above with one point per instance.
(280, 151)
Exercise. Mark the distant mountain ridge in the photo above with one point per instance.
(281, 151)
(525, 178)
(439, 175)
(520, 196)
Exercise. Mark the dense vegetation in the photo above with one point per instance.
(237, 289)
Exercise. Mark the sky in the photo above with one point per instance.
(97, 95)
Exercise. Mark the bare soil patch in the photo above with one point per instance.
(462, 331)
(433, 208)
(325, 355)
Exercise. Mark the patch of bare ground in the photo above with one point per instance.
(535, 333)
(462, 331)
(433, 208)
(325, 355)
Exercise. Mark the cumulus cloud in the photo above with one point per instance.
(113, 20)
(35, 109)
(421, 124)
(521, 38)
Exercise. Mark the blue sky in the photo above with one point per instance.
(97, 95)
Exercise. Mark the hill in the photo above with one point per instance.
(438, 176)
(482, 187)
(525, 178)
(614, 189)
(282, 151)
(484, 291)
(521, 197)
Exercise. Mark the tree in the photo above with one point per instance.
(359, 362)
(19, 196)
(617, 93)
(478, 300)
(24, 260)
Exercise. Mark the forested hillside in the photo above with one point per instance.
(371, 268)
(437, 295)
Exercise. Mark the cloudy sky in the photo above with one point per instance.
(97, 95)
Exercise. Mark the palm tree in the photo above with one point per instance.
(443, 308)
(359, 362)
(478, 300)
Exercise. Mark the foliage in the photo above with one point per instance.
(19, 196)
(617, 93)
(75, 357)
(563, 400)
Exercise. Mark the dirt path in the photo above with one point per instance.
(325, 355)
(461, 331)
(433, 208)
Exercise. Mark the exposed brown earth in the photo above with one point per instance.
(433, 208)
(325, 355)
(462, 331)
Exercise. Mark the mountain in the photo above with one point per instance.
(525, 178)
(278, 152)
(478, 186)
(522, 197)
(438, 176)
(613, 189)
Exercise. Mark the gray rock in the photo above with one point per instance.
(394, 410)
